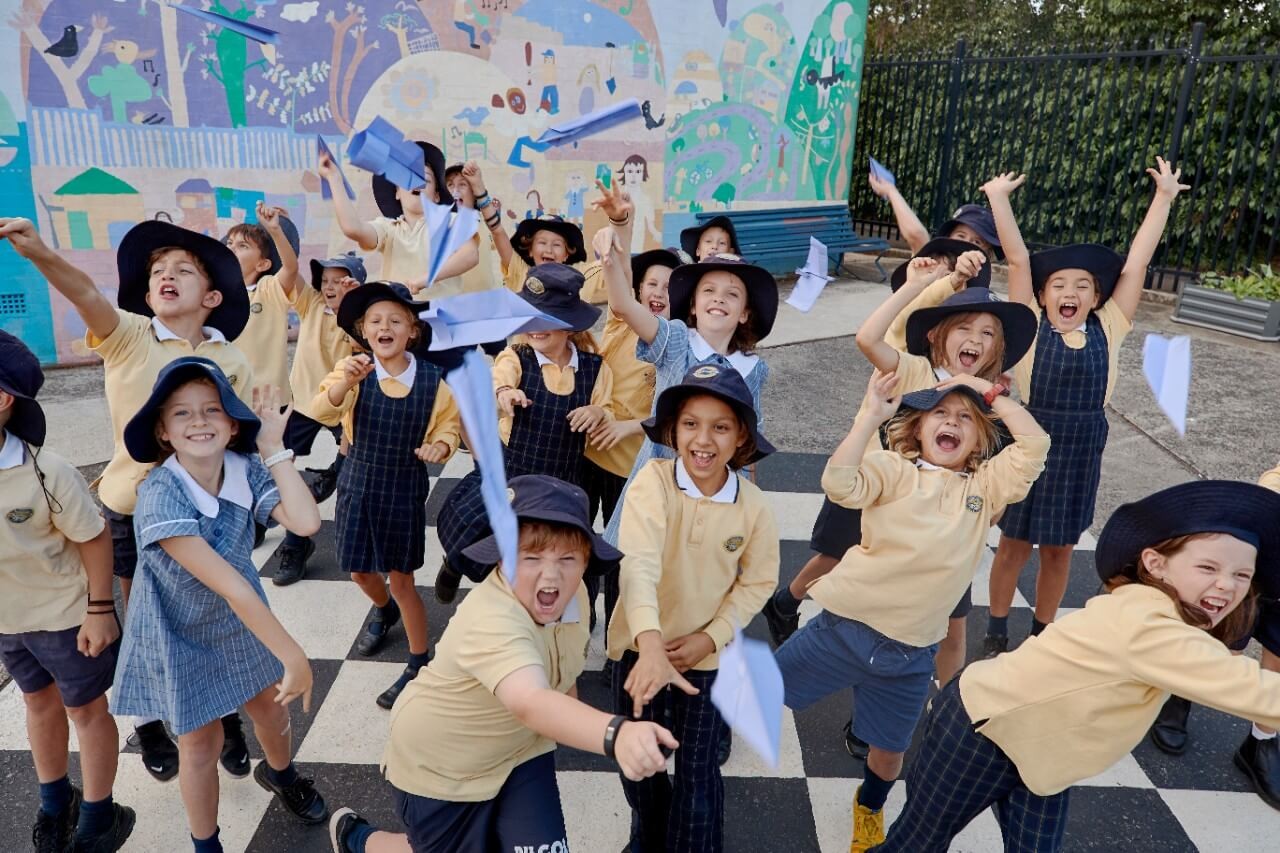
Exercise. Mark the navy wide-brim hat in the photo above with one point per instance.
(291, 236)
(21, 376)
(943, 247)
(723, 383)
(358, 301)
(140, 433)
(1105, 264)
(1017, 320)
(225, 277)
(665, 257)
(554, 289)
(572, 234)
(690, 236)
(1243, 510)
(350, 262)
(926, 400)
(980, 220)
(537, 497)
(384, 192)
(762, 289)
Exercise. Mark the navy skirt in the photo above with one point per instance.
(1060, 505)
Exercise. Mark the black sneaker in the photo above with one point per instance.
(53, 833)
(446, 586)
(301, 798)
(994, 644)
(856, 746)
(159, 752)
(235, 752)
(341, 825)
(111, 840)
(1260, 761)
(725, 747)
(781, 626)
(259, 534)
(293, 563)
(1169, 732)
(388, 697)
(323, 484)
(375, 633)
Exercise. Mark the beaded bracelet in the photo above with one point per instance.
(276, 458)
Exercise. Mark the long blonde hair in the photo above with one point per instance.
(903, 434)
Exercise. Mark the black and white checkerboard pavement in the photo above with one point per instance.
(1149, 802)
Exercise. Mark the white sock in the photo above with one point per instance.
(1259, 734)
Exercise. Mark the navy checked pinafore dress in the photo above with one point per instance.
(540, 443)
(381, 514)
(1068, 392)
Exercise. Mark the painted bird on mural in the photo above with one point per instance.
(126, 52)
(68, 45)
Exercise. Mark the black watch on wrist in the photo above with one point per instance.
(611, 735)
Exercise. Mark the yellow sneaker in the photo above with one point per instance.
(868, 827)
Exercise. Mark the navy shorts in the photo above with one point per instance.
(300, 433)
(124, 547)
(890, 680)
(37, 659)
(526, 815)
(966, 604)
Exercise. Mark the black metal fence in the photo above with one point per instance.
(1084, 126)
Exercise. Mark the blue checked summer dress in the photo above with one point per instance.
(671, 352)
(186, 658)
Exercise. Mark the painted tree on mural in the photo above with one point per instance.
(354, 25)
(27, 21)
(229, 62)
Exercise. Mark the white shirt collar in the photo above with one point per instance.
(573, 357)
(405, 378)
(13, 453)
(927, 466)
(235, 484)
(164, 333)
(702, 351)
(942, 373)
(251, 287)
(1083, 329)
(728, 492)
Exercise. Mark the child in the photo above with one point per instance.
(701, 548)
(1086, 296)
(552, 390)
(398, 415)
(716, 236)
(485, 275)
(180, 293)
(199, 640)
(1183, 568)
(400, 235)
(55, 554)
(471, 756)
(971, 223)
(927, 503)
(321, 345)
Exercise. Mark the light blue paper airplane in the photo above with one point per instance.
(323, 148)
(748, 694)
(599, 121)
(478, 318)
(879, 171)
(383, 150)
(447, 232)
(812, 277)
(244, 28)
(1166, 362)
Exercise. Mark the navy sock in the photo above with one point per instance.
(359, 837)
(282, 778)
(212, 844)
(293, 540)
(95, 818)
(786, 603)
(874, 791)
(55, 797)
(417, 662)
(998, 625)
(1037, 626)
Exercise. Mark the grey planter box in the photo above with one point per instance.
(1217, 309)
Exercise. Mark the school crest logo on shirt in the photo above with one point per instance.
(534, 286)
(255, 308)
(733, 543)
(706, 371)
(17, 516)
(974, 503)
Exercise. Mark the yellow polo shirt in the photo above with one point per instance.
(1068, 704)
(935, 294)
(923, 531)
(633, 388)
(42, 580)
(451, 739)
(692, 564)
(558, 380)
(405, 253)
(265, 339)
(444, 425)
(1115, 326)
(133, 355)
(321, 345)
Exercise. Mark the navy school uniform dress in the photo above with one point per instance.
(1068, 393)
(381, 509)
(540, 443)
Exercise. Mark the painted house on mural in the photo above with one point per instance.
(153, 112)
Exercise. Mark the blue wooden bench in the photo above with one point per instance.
(778, 238)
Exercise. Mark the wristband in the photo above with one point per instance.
(483, 201)
(996, 390)
(620, 222)
(276, 458)
(103, 602)
(611, 735)
(497, 392)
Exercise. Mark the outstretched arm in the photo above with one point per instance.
(1143, 248)
(471, 171)
(998, 190)
(921, 273)
(909, 225)
(269, 218)
(611, 243)
(98, 314)
(344, 208)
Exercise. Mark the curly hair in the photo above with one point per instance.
(902, 434)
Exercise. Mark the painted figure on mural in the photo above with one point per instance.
(635, 174)
(466, 17)
(549, 100)
(574, 209)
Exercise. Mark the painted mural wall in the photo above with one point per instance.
(112, 111)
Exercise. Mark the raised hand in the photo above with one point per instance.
(1003, 184)
(882, 399)
(267, 406)
(1168, 180)
(968, 266)
(613, 202)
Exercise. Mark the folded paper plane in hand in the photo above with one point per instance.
(259, 34)
(447, 232)
(383, 150)
(1166, 362)
(323, 148)
(599, 121)
(879, 171)
(478, 318)
(748, 694)
(812, 277)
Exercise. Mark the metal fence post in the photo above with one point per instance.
(954, 93)
(1184, 94)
